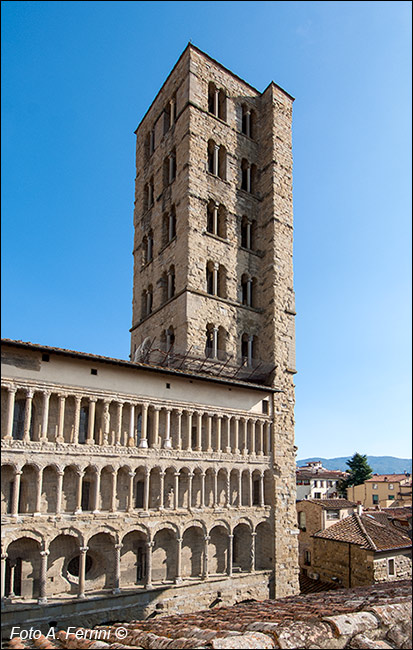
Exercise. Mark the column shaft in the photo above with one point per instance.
(144, 435)
(91, 421)
(16, 493)
(76, 424)
(61, 425)
(39, 477)
(167, 442)
(10, 412)
(42, 582)
(82, 571)
(27, 416)
(45, 414)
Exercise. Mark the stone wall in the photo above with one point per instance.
(402, 567)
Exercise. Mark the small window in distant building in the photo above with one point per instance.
(307, 558)
(333, 514)
(317, 495)
(45, 357)
(375, 498)
(391, 570)
(265, 406)
(391, 486)
(374, 486)
(391, 497)
(93, 371)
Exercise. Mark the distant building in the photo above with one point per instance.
(316, 482)
(360, 550)
(315, 515)
(383, 490)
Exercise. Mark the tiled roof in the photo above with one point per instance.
(304, 472)
(318, 620)
(366, 532)
(388, 478)
(332, 504)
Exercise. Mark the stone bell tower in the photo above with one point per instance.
(213, 246)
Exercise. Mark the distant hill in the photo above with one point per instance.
(379, 464)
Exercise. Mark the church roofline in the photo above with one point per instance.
(139, 365)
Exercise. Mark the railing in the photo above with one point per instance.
(195, 360)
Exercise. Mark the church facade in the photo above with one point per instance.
(167, 481)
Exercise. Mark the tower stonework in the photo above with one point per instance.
(220, 222)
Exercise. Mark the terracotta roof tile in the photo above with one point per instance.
(366, 532)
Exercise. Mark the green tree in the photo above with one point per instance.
(359, 471)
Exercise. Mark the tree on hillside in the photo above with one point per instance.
(359, 471)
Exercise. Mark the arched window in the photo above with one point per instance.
(217, 157)
(216, 219)
(169, 168)
(248, 289)
(247, 233)
(171, 282)
(169, 226)
(247, 348)
(248, 121)
(217, 102)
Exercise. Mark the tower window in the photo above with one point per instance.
(169, 169)
(216, 159)
(248, 121)
(247, 233)
(216, 219)
(217, 102)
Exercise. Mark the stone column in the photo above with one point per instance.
(236, 435)
(12, 570)
(113, 490)
(146, 489)
(248, 234)
(239, 489)
(156, 410)
(215, 279)
(119, 414)
(38, 488)
(248, 123)
(176, 491)
(91, 421)
(228, 434)
(167, 442)
(216, 102)
(82, 571)
(95, 508)
(45, 414)
(106, 421)
(268, 437)
(61, 418)
(76, 424)
(144, 434)
(148, 583)
(228, 491)
(215, 495)
(261, 489)
(252, 448)
(189, 430)
(161, 489)
(130, 493)
(59, 491)
(42, 582)
(215, 218)
(244, 436)
(199, 432)
(205, 567)
(10, 411)
(190, 479)
(249, 292)
(28, 415)
(252, 553)
(216, 159)
(3, 575)
(80, 475)
(218, 438)
(229, 563)
(116, 586)
(209, 433)
(178, 578)
(179, 428)
(131, 436)
(202, 489)
(16, 493)
(260, 450)
(250, 488)
(250, 342)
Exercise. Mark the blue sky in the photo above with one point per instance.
(77, 77)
